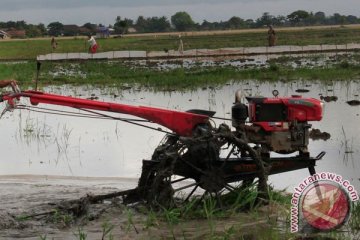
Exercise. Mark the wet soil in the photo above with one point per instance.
(35, 196)
(317, 134)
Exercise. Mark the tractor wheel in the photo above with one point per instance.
(181, 168)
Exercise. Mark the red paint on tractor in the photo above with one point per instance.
(182, 123)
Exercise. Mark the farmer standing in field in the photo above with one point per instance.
(271, 36)
(181, 45)
(53, 43)
(93, 45)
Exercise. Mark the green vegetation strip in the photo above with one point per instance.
(120, 74)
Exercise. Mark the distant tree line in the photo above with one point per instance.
(182, 21)
(31, 30)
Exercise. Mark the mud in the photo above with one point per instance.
(35, 196)
(317, 134)
(27, 200)
(301, 90)
(329, 98)
(353, 102)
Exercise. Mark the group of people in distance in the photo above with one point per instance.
(93, 46)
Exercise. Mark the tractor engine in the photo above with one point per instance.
(278, 124)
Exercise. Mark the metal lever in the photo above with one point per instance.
(12, 101)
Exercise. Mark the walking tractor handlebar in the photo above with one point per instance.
(11, 98)
(181, 123)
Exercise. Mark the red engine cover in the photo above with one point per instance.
(275, 113)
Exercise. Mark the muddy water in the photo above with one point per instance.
(45, 144)
(308, 60)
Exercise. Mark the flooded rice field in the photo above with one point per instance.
(307, 60)
(51, 144)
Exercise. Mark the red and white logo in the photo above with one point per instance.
(322, 201)
(325, 205)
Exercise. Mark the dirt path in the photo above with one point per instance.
(267, 52)
(22, 196)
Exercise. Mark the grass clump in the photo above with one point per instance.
(274, 68)
(80, 234)
(354, 222)
(107, 229)
(63, 220)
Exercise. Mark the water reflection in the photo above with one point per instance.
(36, 143)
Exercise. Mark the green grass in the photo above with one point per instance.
(245, 201)
(80, 234)
(63, 220)
(355, 217)
(119, 74)
(29, 49)
(24, 72)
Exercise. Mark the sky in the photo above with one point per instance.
(105, 11)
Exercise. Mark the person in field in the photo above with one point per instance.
(181, 45)
(93, 45)
(53, 43)
(271, 36)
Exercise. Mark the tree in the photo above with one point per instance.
(33, 31)
(265, 20)
(249, 23)
(121, 25)
(352, 19)
(182, 21)
(298, 17)
(91, 27)
(55, 29)
(157, 24)
(235, 23)
(339, 19)
(153, 24)
(141, 24)
(279, 20)
(42, 29)
(206, 25)
(319, 18)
